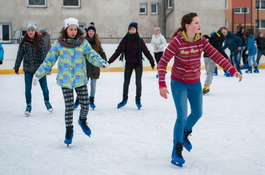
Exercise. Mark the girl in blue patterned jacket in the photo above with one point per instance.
(32, 51)
(72, 50)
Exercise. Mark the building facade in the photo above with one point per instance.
(111, 18)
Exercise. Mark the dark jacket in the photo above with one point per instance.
(241, 36)
(232, 42)
(260, 43)
(93, 72)
(31, 59)
(216, 40)
(131, 53)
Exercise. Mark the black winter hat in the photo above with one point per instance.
(133, 24)
(91, 27)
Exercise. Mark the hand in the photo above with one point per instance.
(239, 48)
(35, 81)
(246, 52)
(153, 66)
(1, 62)
(164, 92)
(17, 72)
(106, 65)
(238, 75)
(156, 48)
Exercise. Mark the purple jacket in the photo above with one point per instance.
(131, 53)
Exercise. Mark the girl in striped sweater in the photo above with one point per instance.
(186, 47)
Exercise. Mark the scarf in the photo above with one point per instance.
(71, 43)
(135, 37)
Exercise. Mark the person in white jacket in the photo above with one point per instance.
(158, 42)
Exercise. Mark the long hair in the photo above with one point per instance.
(65, 36)
(97, 42)
(247, 34)
(186, 19)
(36, 41)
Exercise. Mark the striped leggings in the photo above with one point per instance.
(82, 95)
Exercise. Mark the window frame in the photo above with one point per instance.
(259, 24)
(143, 13)
(170, 4)
(156, 6)
(241, 10)
(38, 6)
(259, 5)
(9, 32)
(226, 4)
(79, 5)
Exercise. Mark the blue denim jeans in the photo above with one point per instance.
(252, 58)
(235, 57)
(93, 87)
(28, 85)
(182, 93)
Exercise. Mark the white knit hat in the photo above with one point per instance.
(32, 26)
(70, 21)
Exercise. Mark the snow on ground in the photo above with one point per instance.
(228, 139)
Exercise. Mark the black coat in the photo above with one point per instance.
(260, 43)
(241, 36)
(93, 72)
(216, 40)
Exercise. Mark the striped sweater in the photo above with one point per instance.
(187, 59)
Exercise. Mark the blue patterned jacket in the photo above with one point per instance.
(71, 64)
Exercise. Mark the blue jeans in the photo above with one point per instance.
(235, 57)
(93, 87)
(28, 84)
(181, 93)
(260, 53)
(252, 57)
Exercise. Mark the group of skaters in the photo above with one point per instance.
(78, 52)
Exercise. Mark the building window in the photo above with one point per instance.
(154, 8)
(143, 8)
(5, 32)
(241, 10)
(226, 23)
(260, 4)
(226, 4)
(170, 3)
(71, 4)
(260, 24)
(37, 3)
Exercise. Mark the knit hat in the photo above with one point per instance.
(32, 26)
(70, 21)
(133, 24)
(91, 27)
(43, 31)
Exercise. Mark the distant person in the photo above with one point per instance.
(251, 51)
(131, 47)
(216, 40)
(92, 71)
(158, 42)
(1, 54)
(32, 51)
(47, 40)
(233, 43)
(71, 50)
(240, 33)
(186, 47)
(260, 40)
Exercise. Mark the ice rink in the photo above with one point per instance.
(229, 138)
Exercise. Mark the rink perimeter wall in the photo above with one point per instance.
(117, 66)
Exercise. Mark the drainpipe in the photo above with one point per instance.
(165, 16)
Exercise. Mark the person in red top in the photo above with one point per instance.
(186, 47)
(132, 46)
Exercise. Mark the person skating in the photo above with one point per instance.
(216, 40)
(1, 54)
(93, 72)
(131, 47)
(251, 51)
(47, 40)
(260, 40)
(241, 53)
(71, 50)
(186, 47)
(32, 52)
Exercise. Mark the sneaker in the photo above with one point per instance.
(69, 135)
(28, 109)
(84, 127)
(48, 106)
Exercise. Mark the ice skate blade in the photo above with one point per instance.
(177, 164)
(27, 113)
(50, 110)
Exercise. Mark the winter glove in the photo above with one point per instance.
(106, 65)
(35, 81)
(153, 66)
(16, 71)
(246, 52)
(1, 62)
